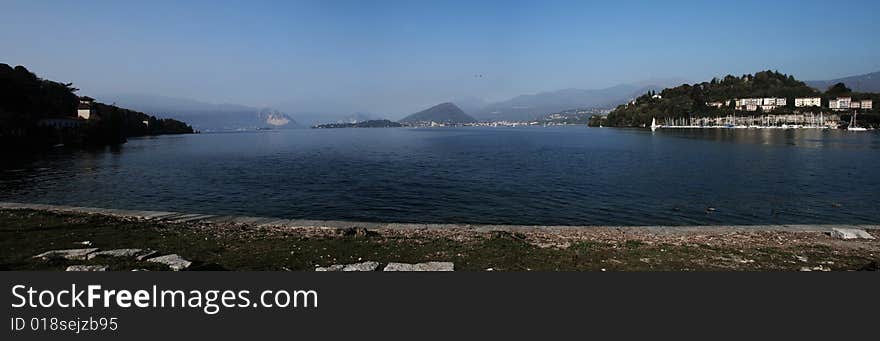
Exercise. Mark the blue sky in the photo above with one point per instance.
(399, 56)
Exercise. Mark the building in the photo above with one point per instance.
(855, 105)
(84, 110)
(781, 102)
(840, 103)
(867, 104)
(751, 107)
(808, 102)
(657, 96)
(715, 104)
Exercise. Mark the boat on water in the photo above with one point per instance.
(852, 124)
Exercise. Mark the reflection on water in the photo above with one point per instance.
(810, 138)
(559, 175)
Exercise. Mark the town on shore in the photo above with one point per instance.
(767, 99)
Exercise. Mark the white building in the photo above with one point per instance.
(840, 103)
(715, 104)
(808, 102)
(769, 101)
(781, 102)
(855, 105)
(867, 104)
(84, 110)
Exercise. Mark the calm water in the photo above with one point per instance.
(564, 175)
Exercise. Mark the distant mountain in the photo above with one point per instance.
(441, 113)
(470, 105)
(862, 83)
(206, 116)
(528, 107)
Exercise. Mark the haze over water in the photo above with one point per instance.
(532, 176)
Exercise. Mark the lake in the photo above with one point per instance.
(531, 175)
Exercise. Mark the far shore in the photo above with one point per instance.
(212, 242)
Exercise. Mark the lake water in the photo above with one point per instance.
(535, 175)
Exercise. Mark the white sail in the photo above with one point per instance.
(852, 124)
(654, 125)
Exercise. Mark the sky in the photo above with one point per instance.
(402, 56)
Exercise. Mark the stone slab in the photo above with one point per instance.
(87, 268)
(848, 233)
(429, 266)
(173, 261)
(363, 266)
(69, 254)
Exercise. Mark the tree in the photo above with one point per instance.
(838, 89)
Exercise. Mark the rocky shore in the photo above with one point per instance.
(42, 237)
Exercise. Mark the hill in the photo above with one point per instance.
(691, 99)
(361, 124)
(29, 106)
(447, 113)
(206, 116)
(862, 83)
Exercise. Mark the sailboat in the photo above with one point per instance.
(654, 124)
(852, 124)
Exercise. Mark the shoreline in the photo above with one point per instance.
(182, 217)
(253, 243)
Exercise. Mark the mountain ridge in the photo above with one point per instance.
(446, 112)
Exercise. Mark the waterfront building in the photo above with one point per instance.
(84, 110)
(840, 103)
(808, 102)
(867, 104)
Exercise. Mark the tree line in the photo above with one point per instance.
(690, 100)
(26, 100)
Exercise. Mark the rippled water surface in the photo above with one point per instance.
(543, 176)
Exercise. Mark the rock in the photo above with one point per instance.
(146, 254)
(801, 258)
(173, 261)
(843, 233)
(139, 253)
(87, 268)
(429, 266)
(334, 267)
(69, 254)
(364, 266)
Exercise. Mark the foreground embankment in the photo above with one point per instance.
(148, 240)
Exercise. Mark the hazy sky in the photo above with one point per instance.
(398, 56)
